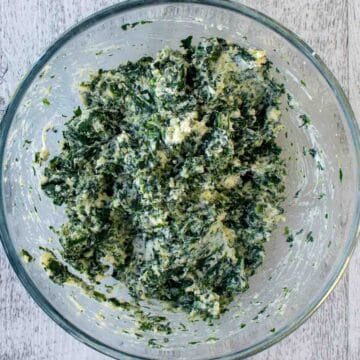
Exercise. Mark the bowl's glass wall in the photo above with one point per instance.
(291, 278)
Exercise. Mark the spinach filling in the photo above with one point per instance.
(170, 174)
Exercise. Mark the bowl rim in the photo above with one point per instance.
(229, 5)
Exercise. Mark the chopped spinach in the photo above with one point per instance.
(312, 152)
(46, 101)
(309, 237)
(25, 255)
(320, 166)
(212, 339)
(297, 194)
(193, 342)
(306, 121)
(132, 25)
(286, 290)
(154, 344)
(171, 177)
(290, 238)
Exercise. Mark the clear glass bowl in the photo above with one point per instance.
(293, 281)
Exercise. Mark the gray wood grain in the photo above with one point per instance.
(331, 27)
(354, 96)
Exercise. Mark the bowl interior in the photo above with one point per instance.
(321, 190)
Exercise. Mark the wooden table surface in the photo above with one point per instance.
(331, 27)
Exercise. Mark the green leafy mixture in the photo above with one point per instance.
(170, 175)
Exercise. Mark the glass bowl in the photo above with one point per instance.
(322, 206)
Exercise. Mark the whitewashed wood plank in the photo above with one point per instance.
(322, 23)
(354, 96)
